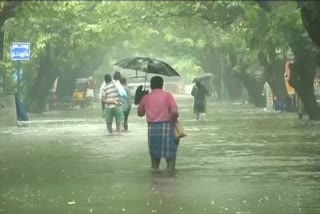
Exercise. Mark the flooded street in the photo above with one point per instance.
(241, 161)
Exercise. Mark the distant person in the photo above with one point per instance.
(199, 92)
(267, 94)
(244, 93)
(111, 99)
(90, 92)
(161, 112)
(126, 103)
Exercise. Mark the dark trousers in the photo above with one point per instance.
(126, 116)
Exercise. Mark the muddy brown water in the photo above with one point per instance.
(242, 160)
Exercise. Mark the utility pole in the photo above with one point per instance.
(19, 76)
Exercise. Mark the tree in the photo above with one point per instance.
(7, 10)
(70, 41)
(170, 22)
(222, 28)
(291, 22)
(67, 38)
(307, 58)
(263, 36)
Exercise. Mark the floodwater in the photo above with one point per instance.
(241, 161)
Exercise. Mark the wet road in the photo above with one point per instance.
(241, 161)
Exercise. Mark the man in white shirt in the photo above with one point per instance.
(116, 80)
(112, 104)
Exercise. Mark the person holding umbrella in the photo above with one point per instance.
(161, 113)
(199, 92)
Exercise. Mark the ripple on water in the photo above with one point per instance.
(242, 160)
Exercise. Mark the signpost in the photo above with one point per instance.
(20, 51)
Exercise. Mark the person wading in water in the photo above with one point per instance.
(113, 109)
(161, 112)
(199, 92)
(126, 103)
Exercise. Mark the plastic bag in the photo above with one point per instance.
(180, 132)
(120, 88)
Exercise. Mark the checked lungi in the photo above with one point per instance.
(161, 140)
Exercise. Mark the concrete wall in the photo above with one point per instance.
(8, 112)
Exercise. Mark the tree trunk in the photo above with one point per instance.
(274, 75)
(6, 12)
(310, 15)
(232, 84)
(254, 88)
(211, 62)
(302, 79)
(39, 92)
(1, 42)
(304, 67)
(253, 84)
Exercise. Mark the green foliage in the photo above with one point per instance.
(188, 68)
(88, 36)
(79, 33)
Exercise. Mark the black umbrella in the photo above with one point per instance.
(147, 65)
(134, 63)
(202, 77)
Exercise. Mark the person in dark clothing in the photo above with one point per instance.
(199, 92)
(126, 103)
(139, 94)
(117, 75)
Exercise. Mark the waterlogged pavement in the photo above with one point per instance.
(241, 161)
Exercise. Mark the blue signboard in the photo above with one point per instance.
(20, 51)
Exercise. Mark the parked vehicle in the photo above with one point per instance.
(135, 81)
(79, 94)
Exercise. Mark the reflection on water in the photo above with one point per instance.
(242, 160)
